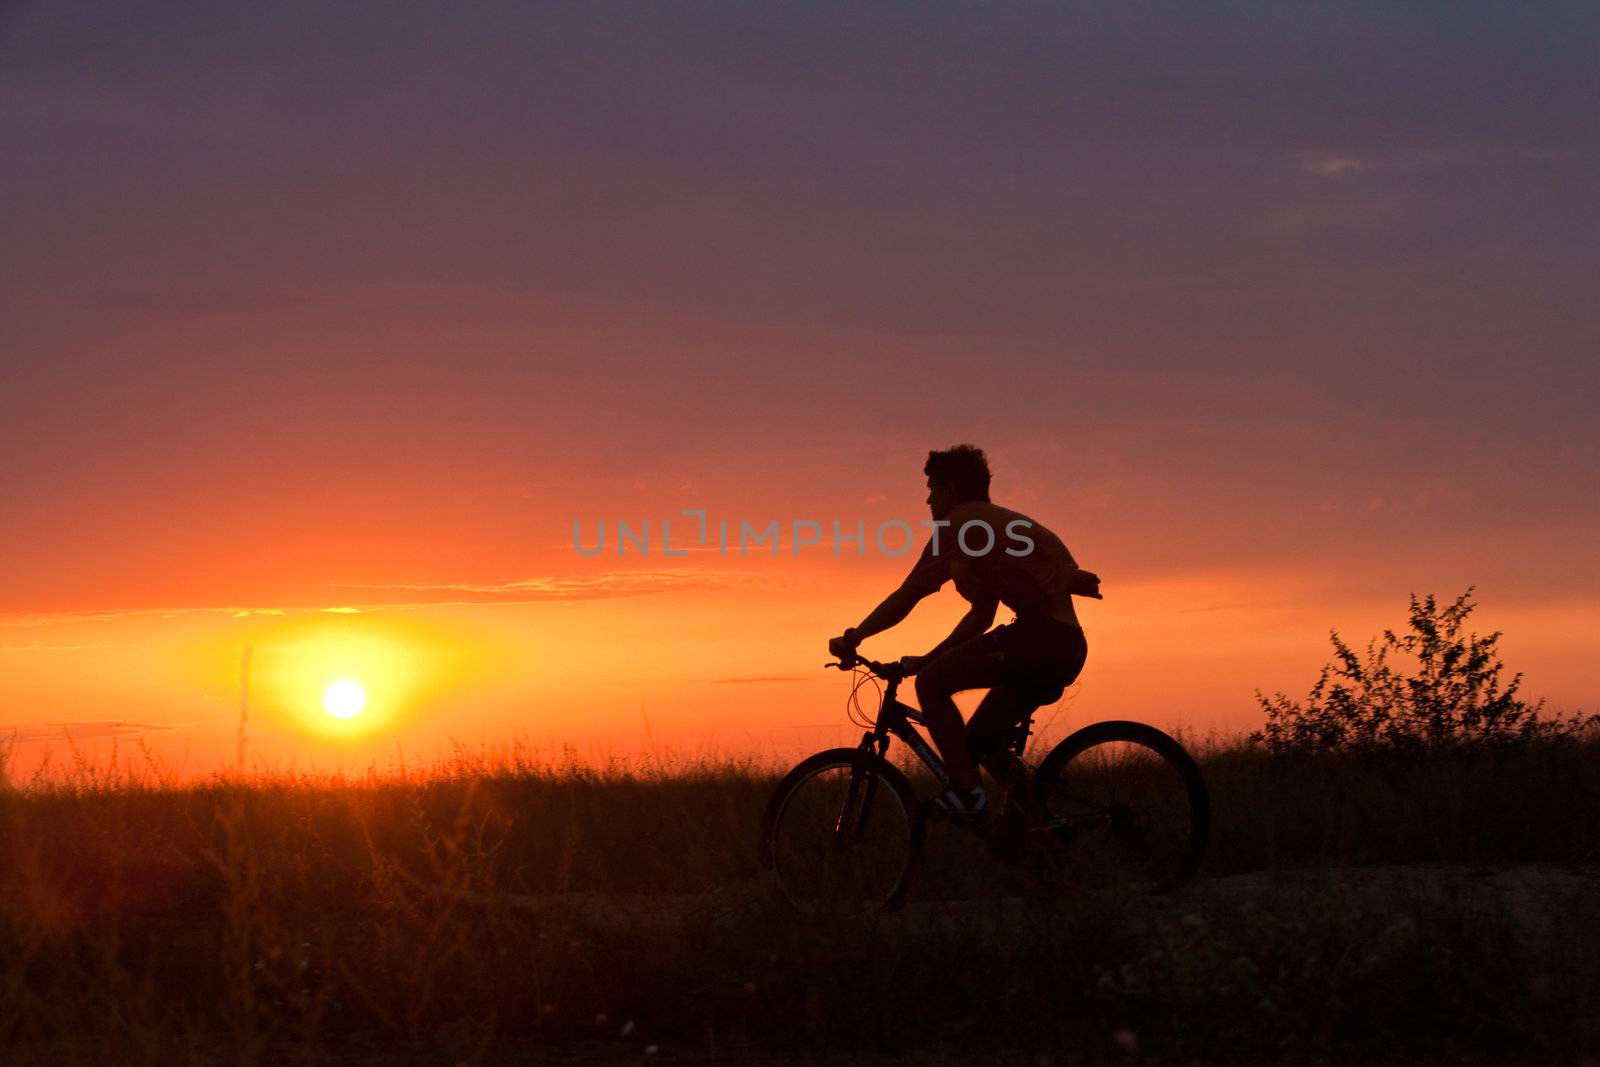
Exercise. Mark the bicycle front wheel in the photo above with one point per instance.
(1122, 806)
(843, 829)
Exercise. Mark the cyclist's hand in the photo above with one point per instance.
(842, 647)
(912, 664)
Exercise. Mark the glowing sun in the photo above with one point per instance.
(344, 699)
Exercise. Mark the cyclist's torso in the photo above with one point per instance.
(1025, 566)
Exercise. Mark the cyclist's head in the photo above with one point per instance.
(955, 476)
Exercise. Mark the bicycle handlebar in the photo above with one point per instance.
(887, 671)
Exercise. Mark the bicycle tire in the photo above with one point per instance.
(832, 836)
(1124, 805)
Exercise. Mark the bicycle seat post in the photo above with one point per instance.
(1018, 778)
(1020, 735)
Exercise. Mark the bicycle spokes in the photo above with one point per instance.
(842, 835)
(1122, 815)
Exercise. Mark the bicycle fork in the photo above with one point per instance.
(852, 820)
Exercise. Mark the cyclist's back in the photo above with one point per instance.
(1022, 564)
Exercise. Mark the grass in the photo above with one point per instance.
(517, 910)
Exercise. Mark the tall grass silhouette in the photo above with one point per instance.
(495, 904)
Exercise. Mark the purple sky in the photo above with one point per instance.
(1229, 285)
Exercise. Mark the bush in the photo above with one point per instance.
(1454, 697)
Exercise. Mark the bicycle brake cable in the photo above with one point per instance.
(853, 709)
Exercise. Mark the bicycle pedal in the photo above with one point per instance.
(937, 808)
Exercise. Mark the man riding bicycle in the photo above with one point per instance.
(995, 556)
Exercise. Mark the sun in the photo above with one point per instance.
(344, 699)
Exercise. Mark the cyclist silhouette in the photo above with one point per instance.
(994, 556)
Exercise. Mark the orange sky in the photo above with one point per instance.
(1275, 321)
(697, 657)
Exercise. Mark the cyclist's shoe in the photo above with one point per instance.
(967, 807)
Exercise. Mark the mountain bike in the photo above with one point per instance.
(1116, 804)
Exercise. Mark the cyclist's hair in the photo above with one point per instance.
(963, 468)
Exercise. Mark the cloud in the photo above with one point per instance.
(546, 590)
(610, 586)
(762, 679)
(34, 619)
(49, 648)
(83, 730)
(1333, 164)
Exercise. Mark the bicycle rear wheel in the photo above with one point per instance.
(843, 829)
(1123, 806)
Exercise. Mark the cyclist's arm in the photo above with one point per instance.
(895, 607)
(977, 619)
(926, 578)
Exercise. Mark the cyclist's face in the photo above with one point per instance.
(941, 498)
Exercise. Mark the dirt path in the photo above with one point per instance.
(1544, 905)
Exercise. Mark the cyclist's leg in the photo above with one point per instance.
(1002, 708)
(972, 664)
(1039, 659)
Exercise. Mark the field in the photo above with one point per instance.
(515, 910)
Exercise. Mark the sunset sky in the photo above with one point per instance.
(321, 324)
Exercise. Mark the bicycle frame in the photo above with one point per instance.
(1036, 803)
(895, 719)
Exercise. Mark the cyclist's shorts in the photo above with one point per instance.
(1043, 655)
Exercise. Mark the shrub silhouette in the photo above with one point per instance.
(1453, 698)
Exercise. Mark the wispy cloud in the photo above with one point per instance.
(49, 648)
(761, 679)
(35, 619)
(546, 590)
(83, 730)
(608, 586)
(1336, 164)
